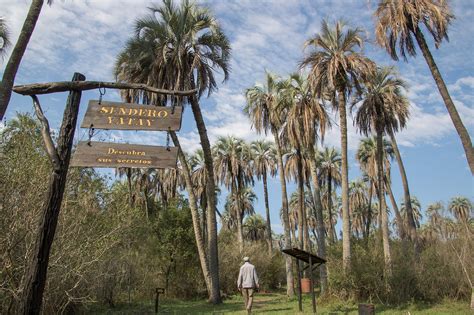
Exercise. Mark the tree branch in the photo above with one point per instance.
(64, 86)
(46, 133)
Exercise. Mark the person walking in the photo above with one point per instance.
(247, 283)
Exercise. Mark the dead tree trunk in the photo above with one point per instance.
(35, 277)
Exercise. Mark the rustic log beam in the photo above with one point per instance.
(65, 86)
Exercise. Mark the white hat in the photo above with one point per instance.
(246, 258)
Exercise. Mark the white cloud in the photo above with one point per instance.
(85, 36)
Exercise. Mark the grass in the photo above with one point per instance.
(275, 303)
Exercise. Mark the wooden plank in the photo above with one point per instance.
(106, 154)
(128, 116)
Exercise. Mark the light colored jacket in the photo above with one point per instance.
(248, 278)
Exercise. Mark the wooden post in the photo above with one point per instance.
(36, 271)
(311, 284)
(298, 272)
(158, 291)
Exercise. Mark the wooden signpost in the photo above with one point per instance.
(106, 154)
(127, 116)
(106, 115)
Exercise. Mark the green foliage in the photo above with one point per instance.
(104, 250)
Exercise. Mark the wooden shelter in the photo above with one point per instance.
(312, 262)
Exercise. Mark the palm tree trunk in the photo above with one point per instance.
(215, 297)
(320, 219)
(194, 214)
(369, 211)
(398, 217)
(301, 212)
(331, 225)
(443, 90)
(382, 206)
(409, 210)
(267, 211)
(290, 286)
(204, 217)
(37, 268)
(240, 215)
(14, 61)
(346, 223)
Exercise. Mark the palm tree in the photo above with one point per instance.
(306, 121)
(416, 207)
(373, 159)
(461, 208)
(336, 68)
(198, 233)
(240, 204)
(397, 22)
(255, 228)
(180, 47)
(14, 61)
(329, 161)
(297, 168)
(384, 110)
(434, 213)
(264, 161)
(232, 158)
(262, 107)
(358, 202)
(4, 37)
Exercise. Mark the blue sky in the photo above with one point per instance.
(85, 36)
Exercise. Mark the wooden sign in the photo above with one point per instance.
(106, 154)
(127, 116)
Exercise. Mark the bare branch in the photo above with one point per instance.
(46, 133)
(64, 86)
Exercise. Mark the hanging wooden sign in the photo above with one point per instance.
(127, 116)
(106, 154)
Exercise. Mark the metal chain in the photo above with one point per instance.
(101, 93)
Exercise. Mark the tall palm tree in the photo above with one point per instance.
(373, 160)
(336, 68)
(384, 110)
(297, 169)
(4, 37)
(264, 163)
(262, 108)
(180, 47)
(398, 21)
(329, 161)
(461, 208)
(307, 121)
(198, 233)
(233, 170)
(14, 61)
